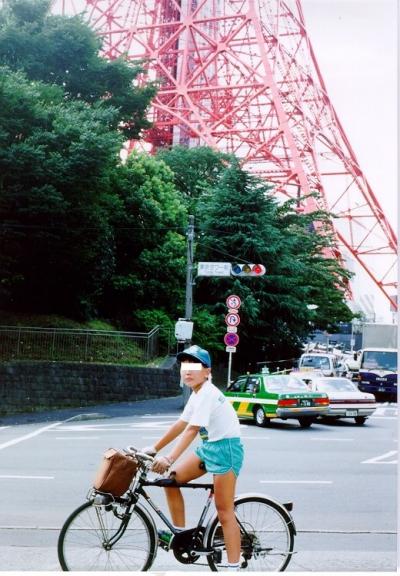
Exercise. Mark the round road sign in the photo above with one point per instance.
(231, 339)
(232, 319)
(233, 301)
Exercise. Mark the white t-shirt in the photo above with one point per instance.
(212, 411)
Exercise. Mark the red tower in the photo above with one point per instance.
(241, 76)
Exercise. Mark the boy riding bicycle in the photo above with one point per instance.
(209, 414)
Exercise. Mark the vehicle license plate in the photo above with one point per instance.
(304, 402)
(351, 412)
(381, 389)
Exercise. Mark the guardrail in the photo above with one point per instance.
(76, 345)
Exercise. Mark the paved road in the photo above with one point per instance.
(341, 477)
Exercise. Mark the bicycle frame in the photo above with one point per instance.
(164, 483)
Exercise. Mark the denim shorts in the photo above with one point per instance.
(221, 456)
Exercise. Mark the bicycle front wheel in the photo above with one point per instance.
(267, 536)
(96, 538)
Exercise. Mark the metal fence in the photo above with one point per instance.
(34, 343)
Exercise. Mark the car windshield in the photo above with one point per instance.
(336, 385)
(285, 383)
(321, 362)
(375, 360)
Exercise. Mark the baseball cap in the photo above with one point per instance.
(197, 353)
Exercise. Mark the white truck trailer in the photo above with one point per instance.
(378, 372)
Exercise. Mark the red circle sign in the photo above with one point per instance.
(233, 302)
(232, 319)
(231, 339)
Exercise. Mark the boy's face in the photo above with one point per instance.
(194, 374)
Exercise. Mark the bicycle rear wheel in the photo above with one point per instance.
(267, 536)
(94, 538)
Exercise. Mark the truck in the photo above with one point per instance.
(382, 335)
(378, 372)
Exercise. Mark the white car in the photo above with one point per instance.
(328, 364)
(345, 399)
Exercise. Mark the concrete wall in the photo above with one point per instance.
(33, 386)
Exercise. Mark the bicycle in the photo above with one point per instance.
(107, 533)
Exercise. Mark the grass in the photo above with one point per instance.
(100, 348)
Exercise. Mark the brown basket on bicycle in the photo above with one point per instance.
(115, 473)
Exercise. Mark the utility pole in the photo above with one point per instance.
(189, 291)
(189, 271)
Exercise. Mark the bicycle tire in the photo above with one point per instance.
(270, 528)
(84, 537)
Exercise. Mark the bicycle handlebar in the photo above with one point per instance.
(142, 457)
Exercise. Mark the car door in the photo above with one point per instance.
(250, 396)
(238, 396)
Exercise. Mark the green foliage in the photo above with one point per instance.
(255, 228)
(150, 245)
(209, 329)
(146, 319)
(196, 171)
(65, 51)
(56, 241)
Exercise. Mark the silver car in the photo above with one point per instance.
(345, 399)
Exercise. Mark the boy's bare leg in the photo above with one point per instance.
(185, 471)
(224, 486)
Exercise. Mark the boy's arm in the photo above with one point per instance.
(177, 428)
(187, 438)
(162, 463)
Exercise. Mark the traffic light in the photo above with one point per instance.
(244, 270)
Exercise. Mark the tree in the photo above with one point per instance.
(56, 248)
(243, 222)
(65, 51)
(150, 243)
(196, 171)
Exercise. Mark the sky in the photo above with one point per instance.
(356, 46)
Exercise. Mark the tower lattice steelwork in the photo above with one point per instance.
(242, 76)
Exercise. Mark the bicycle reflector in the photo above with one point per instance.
(243, 270)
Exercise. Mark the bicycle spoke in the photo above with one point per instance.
(266, 536)
(93, 540)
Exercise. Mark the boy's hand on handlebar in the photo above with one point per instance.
(150, 450)
(161, 464)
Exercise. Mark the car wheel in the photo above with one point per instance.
(360, 420)
(305, 421)
(259, 416)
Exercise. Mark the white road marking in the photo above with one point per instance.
(114, 427)
(296, 482)
(333, 439)
(256, 438)
(172, 416)
(77, 437)
(19, 477)
(381, 459)
(28, 436)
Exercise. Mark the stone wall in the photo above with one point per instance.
(33, 386)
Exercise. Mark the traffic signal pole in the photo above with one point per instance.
(189, 270)
(189, 291)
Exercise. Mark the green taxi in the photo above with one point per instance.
(262, 397)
